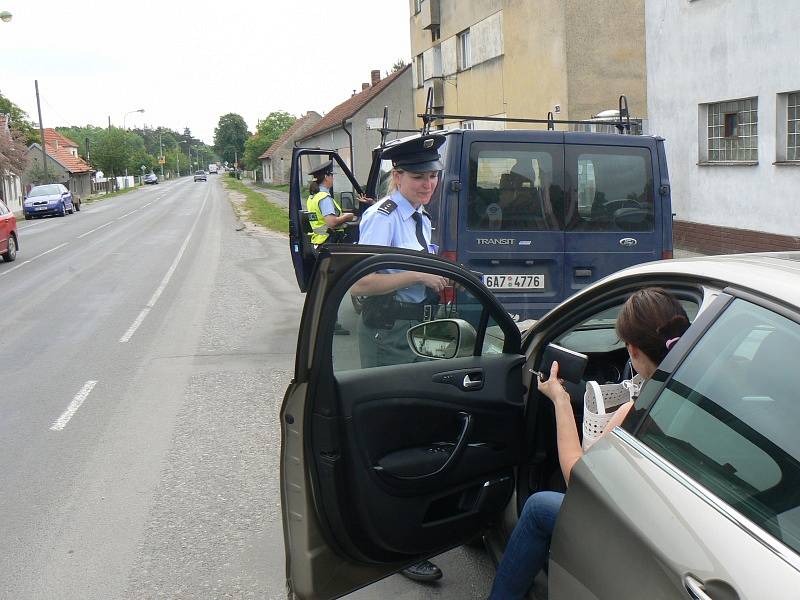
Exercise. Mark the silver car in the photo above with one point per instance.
(696, 495)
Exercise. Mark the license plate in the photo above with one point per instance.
(533, 281)
(40, 208)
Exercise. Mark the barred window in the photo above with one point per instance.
(733, 130)
(793, 127)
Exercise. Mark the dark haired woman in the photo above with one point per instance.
(650, 323)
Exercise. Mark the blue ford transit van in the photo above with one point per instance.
(539, 214)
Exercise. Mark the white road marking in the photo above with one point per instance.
(30, 260)
(160, 289)
(62, 421)
(126, 214)
(83, 235)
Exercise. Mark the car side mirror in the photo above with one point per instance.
(443, 338)
(347, 200)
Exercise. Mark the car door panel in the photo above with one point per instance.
(383, 466)
(607, 527)
(393, 472)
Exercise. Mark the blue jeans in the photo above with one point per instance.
(527, 550)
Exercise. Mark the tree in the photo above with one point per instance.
(230, 135)
(13, 152)
(267, 132)
(19, 121)
(115, 150)
(398, 65)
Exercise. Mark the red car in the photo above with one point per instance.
(8, 234)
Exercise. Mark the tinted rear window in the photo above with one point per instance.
(515, 187)
(613, 189)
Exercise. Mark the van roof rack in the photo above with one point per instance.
(622, 122)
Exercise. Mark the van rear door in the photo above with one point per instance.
(613, 213)
(510, 221)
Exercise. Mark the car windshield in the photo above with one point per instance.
(199, 172)
(45, 190)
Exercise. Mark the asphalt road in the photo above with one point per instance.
(146, 345)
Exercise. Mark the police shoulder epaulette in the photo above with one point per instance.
(387, 207)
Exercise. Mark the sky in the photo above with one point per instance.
(188, 62)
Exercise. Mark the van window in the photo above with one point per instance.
(613, 189)
(515, 187)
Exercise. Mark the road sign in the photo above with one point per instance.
(161, 160)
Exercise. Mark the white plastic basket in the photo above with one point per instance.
(600, 402)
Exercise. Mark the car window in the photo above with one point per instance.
(614, 189)
(3, 209)
(728, 417)
(371, 331)
(45, 190)
(515, 187)
(597, 333)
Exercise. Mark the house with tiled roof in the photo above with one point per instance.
(64, 165)
(344, 127)
(276, 160)
(10, 182)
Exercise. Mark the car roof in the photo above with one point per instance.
(768, 274)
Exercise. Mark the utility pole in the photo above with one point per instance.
(41, 132)
(178, 159)
(161, 155)
(109, 122)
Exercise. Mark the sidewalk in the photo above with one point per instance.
(277, 197)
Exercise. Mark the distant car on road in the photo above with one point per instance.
(8, 234)
(151, 179)
(200, 176)
(50, 199)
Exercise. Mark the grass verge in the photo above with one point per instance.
(272, 186)
(258, 209)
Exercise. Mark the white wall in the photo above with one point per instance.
(701, 51)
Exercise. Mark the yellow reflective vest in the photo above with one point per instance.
(319, 229)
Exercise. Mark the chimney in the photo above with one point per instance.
(375, 76)
(364, 86)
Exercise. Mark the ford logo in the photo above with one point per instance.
(628, 242)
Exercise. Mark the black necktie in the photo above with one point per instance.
(419, 231)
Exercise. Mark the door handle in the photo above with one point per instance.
(472, 381)
(695, 588)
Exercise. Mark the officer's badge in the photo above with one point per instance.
(387, 207)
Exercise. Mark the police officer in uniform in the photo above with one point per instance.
(395, 300)
(328, 220)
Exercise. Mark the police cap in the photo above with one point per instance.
(325, 168)
(418, 155)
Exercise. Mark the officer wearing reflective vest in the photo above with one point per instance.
(327, 220)
(394, 300)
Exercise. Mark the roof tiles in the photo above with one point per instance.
(352, 105)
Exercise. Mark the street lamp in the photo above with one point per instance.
(5, 16)
(138, 110)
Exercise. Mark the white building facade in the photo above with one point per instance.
(723, 89)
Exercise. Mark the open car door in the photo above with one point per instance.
(346, 191)
(382, 466)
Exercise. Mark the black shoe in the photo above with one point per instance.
(423, 571)
(339, 330)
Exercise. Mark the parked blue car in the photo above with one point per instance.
(50, 199)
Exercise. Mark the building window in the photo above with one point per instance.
(733, 131)
(435, 34)
(464, 51)
(417, 6)
(420, 67)
(793, 127)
